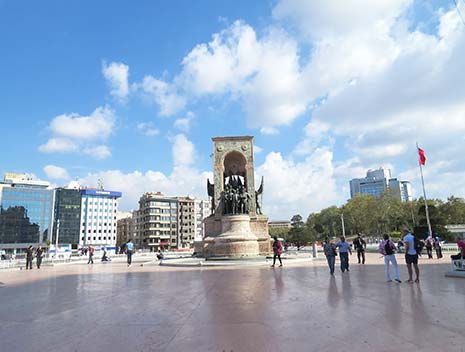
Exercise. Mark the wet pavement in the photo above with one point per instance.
(109, 307)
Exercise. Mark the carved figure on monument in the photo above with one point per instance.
(211, 193)
(257, 200)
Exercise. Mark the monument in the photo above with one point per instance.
(236, 227)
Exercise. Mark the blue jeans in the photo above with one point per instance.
(129, 254)
(331, 261)
(344, 261)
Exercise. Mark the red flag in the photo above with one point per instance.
(422, 157)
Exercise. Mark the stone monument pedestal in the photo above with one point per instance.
(236, 238)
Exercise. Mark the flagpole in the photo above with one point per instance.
(424, 198)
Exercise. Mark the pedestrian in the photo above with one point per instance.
(400, 245)
(429, 247)
(461, 253)
(411, 255)
(330, 252)
(344, 250)
(360, 245)
(437, 246)
(90, 250)
(39, 256)
(387, 248)
(129, 249)
(277, 251)
(29, 257)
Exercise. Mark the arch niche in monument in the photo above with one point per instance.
(234, 164)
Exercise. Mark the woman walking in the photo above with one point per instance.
(387, 248)
(277, 251)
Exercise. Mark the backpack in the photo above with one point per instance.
(387, 248)
(418, 245)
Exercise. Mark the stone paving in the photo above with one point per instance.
(109, 307)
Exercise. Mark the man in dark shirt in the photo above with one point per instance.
(360, 245)
(39, 256)
(29, 256)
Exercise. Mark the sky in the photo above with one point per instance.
(131, 92)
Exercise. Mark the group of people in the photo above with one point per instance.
(387, 248)
(31, 254)
(128, 249)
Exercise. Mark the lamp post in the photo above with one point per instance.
(56, 239)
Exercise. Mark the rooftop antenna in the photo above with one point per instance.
(100, 184)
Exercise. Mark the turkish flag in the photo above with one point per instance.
(422, 157)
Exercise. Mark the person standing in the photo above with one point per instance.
(387, 248)
(461, 253)
(29, 257)
(360, 245)
(330, 252)
(437, 246)
(429, 247)
(129, 249)
(91, 250)
(277, 251)
(39, 256)
(411, 255)
(344, 250)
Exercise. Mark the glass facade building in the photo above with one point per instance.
(67, 217)
(32, 203)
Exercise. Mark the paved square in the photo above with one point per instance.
(296, 308)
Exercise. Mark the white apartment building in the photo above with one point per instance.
(202, 211)
(99, 210)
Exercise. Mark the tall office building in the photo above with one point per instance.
(26, 211)
(379, 181)
(67, 218)
(98, 217)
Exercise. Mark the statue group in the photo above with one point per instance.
(236, 199)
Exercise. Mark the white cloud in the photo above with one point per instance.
(56, 173)
(98, 152)
(184, 124)
(58, 145)
(164, 94)
(183, 151)
(116, 73)
(99, 124)
(148, 129)
(298, 188)
(73, 133)
(257, 149)
(330, 18)
(271, 131)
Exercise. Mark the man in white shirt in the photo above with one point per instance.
(411, 256)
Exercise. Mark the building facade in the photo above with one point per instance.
(166, 223)
(98, 225)
(67, 216)
(202, 211)
(378, 182)
(26, 211)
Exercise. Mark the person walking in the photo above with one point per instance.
(91, 250)
(344, 250)
(411, 255)
(329, 250)
(437, 246)
(39, 256)
(429, 247)
(29, 257)
(277, 251)
(387, 248)
(360, 245)
(129, 249)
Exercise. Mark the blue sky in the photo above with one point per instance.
(132, 92)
